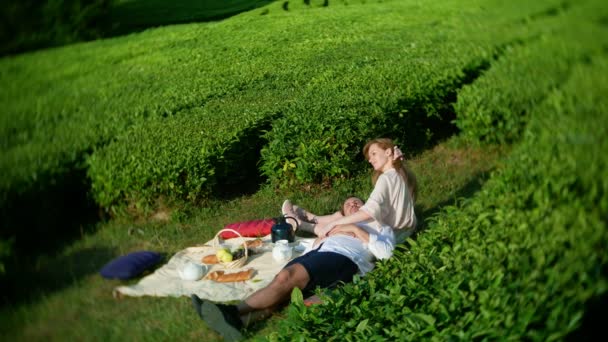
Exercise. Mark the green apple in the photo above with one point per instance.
(224, 255)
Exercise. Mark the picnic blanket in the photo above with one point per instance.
(165, 281)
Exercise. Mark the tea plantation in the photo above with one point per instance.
(179, 114)
(365, 70)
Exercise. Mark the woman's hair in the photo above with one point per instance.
(406, 173)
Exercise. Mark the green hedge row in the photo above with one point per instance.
(327, 91)
(183, 156)
(59, 106)
(334, 76)
(399, 82)
(496, 107)
(519, 261)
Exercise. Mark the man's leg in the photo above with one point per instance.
(227, 320)
(299, 213)
(278, 291)
(305, 220)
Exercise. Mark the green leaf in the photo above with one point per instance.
(296, 296)
(428, 319)
(362, 325)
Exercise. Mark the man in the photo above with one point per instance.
(348, 249)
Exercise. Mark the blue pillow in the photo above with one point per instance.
(130, 265)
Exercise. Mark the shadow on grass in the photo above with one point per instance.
(28, 279)
(29, 25)
(593, 321)
(468, 190)
(41, 222)
(137, 15)
(238, 171)
(49, 214)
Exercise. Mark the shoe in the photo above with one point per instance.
(312, 300)
(224, 319)
(287, 208)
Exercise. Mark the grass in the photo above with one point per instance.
(65, 298)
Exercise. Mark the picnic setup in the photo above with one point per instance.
(241, 258)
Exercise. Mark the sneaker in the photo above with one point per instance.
(224, 319)
(312, 300)
(287, 208)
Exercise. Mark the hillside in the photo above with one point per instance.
(214, 122)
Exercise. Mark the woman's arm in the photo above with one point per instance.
(359, 216)
(352, 230)
(381, 244)
(325, 219)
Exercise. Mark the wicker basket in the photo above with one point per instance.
(234, 263)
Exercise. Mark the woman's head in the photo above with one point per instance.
(383, 154)
(380, 153)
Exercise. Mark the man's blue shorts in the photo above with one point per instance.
(325, 269)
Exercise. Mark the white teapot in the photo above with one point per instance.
(281, 251)
(192, 271)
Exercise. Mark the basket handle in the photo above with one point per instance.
(216, 240)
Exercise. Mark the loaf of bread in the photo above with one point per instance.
(222, 277)
(254, 243)
(210, 259)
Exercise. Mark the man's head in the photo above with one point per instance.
(351, 205)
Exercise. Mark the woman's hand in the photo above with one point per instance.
(352, 230)
(323, 231)
(359, 216)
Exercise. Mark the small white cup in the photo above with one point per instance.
(281, 251)
(192, 271)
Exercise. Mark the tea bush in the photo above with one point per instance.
(520, 260)
(181, 156)
(343, 85)
(399, 82)
(496, 107)
(332, 77)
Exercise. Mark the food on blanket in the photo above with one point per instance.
(254, 243)
(222, 277)
(239, 253)
(224, 255)
(210, 259)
